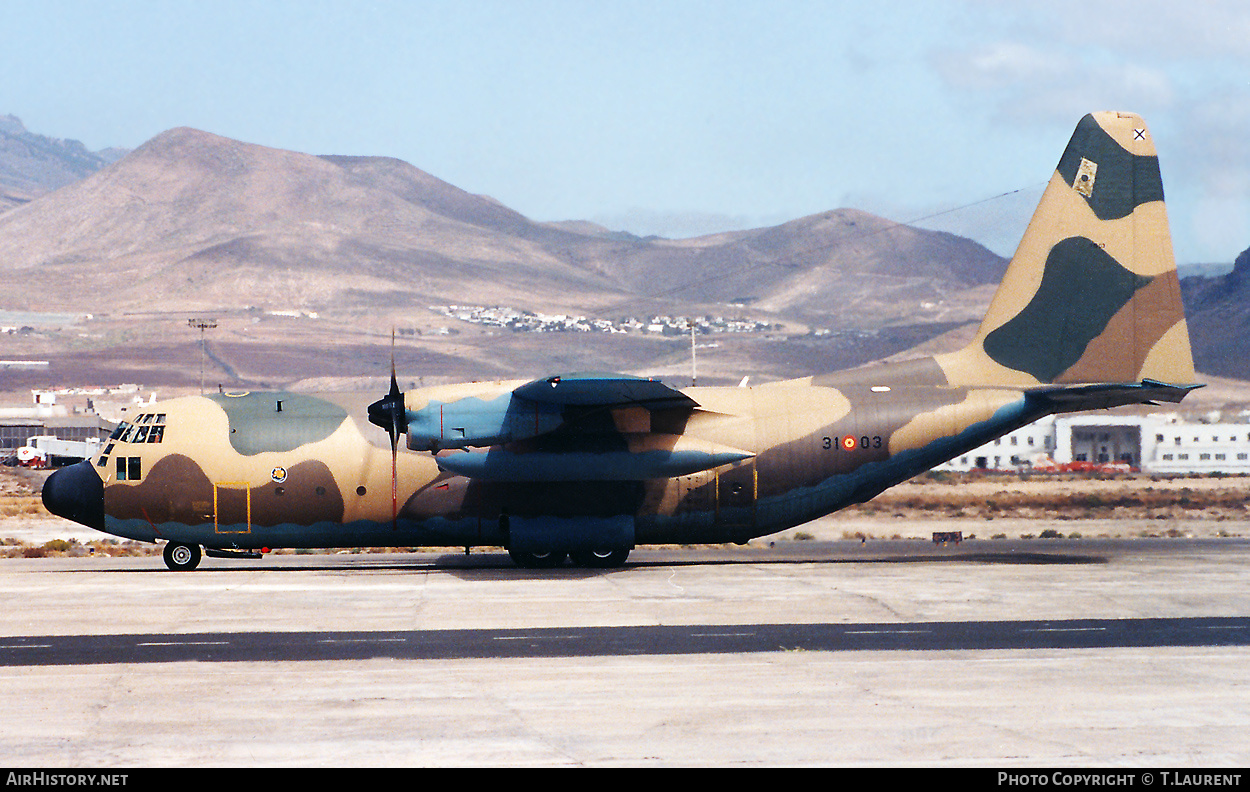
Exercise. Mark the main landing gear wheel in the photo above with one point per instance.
(534, 560)
(604, 558)
(182, 557)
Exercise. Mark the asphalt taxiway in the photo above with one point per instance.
(993, 652)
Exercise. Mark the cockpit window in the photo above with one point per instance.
(147, 428)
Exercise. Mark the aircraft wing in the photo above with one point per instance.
(603, 390)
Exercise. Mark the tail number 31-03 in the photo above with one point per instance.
(850, 443)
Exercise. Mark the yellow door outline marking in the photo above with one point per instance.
(247, 494)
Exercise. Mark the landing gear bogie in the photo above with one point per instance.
(602, 558)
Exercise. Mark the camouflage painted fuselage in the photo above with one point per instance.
(232, 471)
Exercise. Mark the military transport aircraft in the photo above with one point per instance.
(590, 465)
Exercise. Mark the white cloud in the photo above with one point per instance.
(1184, 66)
(1028, 84)
(1154, 30)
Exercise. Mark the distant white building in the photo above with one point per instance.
(1027, 446)
(1162, 443)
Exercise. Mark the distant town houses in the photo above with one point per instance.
(532, 322)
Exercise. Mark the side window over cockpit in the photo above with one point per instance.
(129, 468)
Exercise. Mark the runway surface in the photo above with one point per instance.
(992, 653)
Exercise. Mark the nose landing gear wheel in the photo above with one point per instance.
(182, 557)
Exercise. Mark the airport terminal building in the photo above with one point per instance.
(1163, 443)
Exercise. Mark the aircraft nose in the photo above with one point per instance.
(76, 493)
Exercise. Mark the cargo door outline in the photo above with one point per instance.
(228, 496)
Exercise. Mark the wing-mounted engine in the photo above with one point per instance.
(572, 427)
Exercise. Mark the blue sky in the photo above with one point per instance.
(676, 117)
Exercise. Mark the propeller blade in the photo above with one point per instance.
(389, 413)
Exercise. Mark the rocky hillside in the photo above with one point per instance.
(1218, 314)
(191, 221)
(31, 165)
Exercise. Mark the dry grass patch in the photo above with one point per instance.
(22, 506)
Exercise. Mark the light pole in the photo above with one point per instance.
(694, 371)
(202, 325)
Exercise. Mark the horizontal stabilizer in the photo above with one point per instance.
(1108, 394)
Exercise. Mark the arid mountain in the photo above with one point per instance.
(31, 165)
(847, 268)
(1217, 310)
(191, 220)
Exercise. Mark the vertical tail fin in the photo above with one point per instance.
(1091, 294)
